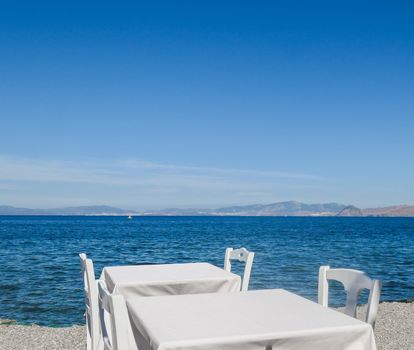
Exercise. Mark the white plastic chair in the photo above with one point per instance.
(91, 304)
(115, 335)
(242, 255)
(353, 281)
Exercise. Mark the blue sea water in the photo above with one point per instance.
(40, 278)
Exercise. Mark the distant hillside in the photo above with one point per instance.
(397, 210)
(350, 210)
(83, 210)
(290, 208)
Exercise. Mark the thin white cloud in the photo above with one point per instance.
(182, 168)
(140, 184)
(129, 172)
(40, 170)
(7, 186)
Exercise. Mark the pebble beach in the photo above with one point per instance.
(394, 331)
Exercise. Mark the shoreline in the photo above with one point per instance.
(140, 215)
(394, 331)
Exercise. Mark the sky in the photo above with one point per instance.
(206, 103)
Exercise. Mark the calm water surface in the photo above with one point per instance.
(40, 280)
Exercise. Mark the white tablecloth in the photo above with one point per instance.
(169, 279)
(263, 320)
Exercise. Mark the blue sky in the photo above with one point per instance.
(201, 104)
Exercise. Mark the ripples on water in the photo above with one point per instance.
(40, 280)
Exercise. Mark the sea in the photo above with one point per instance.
(40, 273)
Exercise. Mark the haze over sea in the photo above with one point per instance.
(41, 279)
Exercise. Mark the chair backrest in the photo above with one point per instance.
(91, 303)
(242, 255)
(114, 334)
(354, 282)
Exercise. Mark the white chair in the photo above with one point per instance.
(242, 255)
(353, 281)
(91, 304)
(115, 335)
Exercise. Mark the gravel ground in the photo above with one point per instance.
(395, 326)
(16, 337)
(394, 331)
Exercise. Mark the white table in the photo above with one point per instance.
(169, 279)
(263, 320)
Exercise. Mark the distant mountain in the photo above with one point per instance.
(350, 210)
(290, 208)
(83, 210)
(397, 210)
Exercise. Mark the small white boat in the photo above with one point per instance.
(129, 217)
